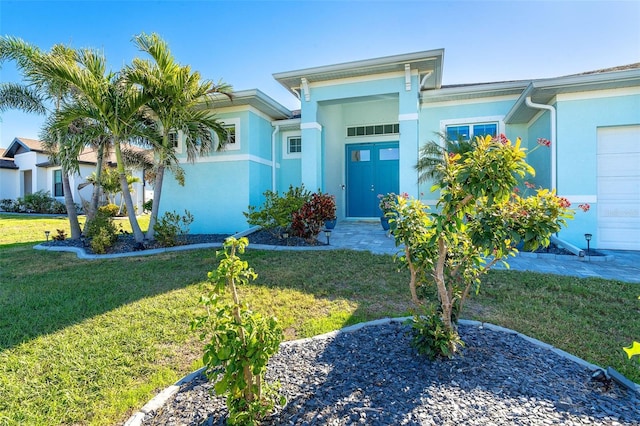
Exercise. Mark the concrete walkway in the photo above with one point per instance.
(619, 265)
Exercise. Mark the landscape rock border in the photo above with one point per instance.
(161, 398)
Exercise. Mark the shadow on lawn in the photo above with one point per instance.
(43, 292)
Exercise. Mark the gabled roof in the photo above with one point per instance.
(428, 63)
(543, 91)
(255, 98)
(24, 143)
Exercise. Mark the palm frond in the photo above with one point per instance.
(17, 96)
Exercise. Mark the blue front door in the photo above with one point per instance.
(372, 169)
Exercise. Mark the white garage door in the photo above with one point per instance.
(619, 188)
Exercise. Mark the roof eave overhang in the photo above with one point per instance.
(485, 90)
(427, 63)
(544, 91)
(254, 98)
(288, 124)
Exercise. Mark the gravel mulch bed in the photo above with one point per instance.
(372, 376)
(127, 244)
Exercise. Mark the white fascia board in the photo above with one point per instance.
(255, 98)
(286, 125)
(589, 79)
(367, 63)
(605, 93)
(440, 104)
(473, 91)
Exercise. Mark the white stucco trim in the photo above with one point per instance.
(473, 120)
(408, 117)
(313, 125)
(285, 145)
(609, 93)
(581, 198)
(234, 158)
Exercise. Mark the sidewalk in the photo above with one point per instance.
(625, 266)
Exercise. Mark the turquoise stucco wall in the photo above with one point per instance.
(539, 157)
(215, 193)
(578, 121)
(220, 186)
(260, 133)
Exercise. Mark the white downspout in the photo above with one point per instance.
(273, 158)
(552, 110)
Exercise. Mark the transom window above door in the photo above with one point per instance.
(470, 131)
(374, 130)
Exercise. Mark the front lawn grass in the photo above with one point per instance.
(89, 342)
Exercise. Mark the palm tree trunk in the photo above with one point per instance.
(95, 195)
(135, 227)
(71, 207)
(157, 192)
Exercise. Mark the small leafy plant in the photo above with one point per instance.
(432, 338)
(170, 226)
(276, 213)
(241, 341)
(61, 235)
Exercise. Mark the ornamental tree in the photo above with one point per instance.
(480, 219)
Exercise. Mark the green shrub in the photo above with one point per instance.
(241, 341)
(9, 206)
(276, 212)
(170, 226)
(102, 232)
(432, 338)
(147, 206)
(38, 202)
(110, 210)
(102, 241)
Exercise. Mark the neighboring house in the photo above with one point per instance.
(25, 168)
(361, 124)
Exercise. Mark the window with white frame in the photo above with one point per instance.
(232, 126)
(469, 131)
(294, 145)
(291, 145)
(58, 189)
(173, 140)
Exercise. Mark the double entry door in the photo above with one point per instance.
(372, 169)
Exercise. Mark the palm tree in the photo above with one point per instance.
(33, 96)
(432, 156)
(105, 99)
(178, 101)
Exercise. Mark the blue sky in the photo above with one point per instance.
(245, 42)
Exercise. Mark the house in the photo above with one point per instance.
(25, 168)
(361, 124)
